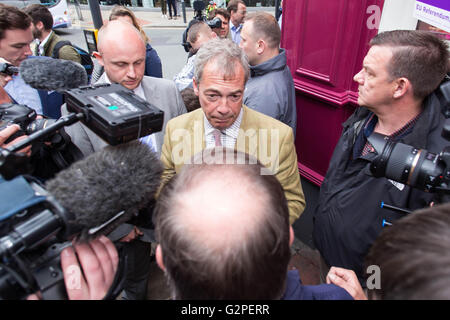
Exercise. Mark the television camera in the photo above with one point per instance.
(34, 227)
(415, 167)
(113, 112)
(8, 69)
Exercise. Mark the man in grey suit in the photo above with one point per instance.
(121, 51)
(123, 64)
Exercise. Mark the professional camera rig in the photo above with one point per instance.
(113, 112)
(34, 228)
(417, 168)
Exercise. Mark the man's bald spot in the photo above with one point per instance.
(221, 207)
(118, 32)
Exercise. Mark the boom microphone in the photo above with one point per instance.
(114, 183)
(53, 74)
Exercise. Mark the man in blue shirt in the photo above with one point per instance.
(237, 10)
(15, 39)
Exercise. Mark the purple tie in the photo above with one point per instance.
(217, 134)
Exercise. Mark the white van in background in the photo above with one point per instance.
(58, 9)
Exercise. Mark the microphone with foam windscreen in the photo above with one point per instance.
(90, 198)
(53, 74)
(93, 197)
(114, 183)
(113, 112)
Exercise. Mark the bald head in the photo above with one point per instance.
(218, 222)
(121, 51)
(118, 31)
(222, 208)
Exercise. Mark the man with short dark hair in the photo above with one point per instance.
(237, 10)
(270, 89)
(396, 82)
(224, 233)
(46, 38)
(224, 17)
(411, 258)
(16, 34)
(198, 34)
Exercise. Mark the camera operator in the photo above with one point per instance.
(16, 35)
(12, 129)
(224, 17)
(399, 74)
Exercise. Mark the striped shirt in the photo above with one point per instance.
(228, 136)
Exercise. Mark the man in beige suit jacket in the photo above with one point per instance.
(221, 71)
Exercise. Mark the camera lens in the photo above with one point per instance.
(406, 164)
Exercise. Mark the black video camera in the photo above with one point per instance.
(199, 6)
(22, 115)
(417, 168)
(34, 229)
(113, 112)
(8, 69)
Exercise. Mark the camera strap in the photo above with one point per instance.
(121, 274)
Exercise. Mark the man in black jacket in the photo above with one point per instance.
(399, 75)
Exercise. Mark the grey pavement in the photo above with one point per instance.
(148, 17)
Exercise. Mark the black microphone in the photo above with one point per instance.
(92, 197)
(8, 69)
(53, 74)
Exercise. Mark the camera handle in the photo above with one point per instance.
(61, 122)
(13, 163)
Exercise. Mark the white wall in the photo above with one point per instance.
(398, 14)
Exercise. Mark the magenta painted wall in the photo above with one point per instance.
(325, 42)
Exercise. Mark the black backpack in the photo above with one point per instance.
(86, 60)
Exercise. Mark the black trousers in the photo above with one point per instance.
(139, 260)
(171, 4)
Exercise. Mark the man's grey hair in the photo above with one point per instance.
(224, 52)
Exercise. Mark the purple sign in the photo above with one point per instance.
(433, 12)
(445, 5)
